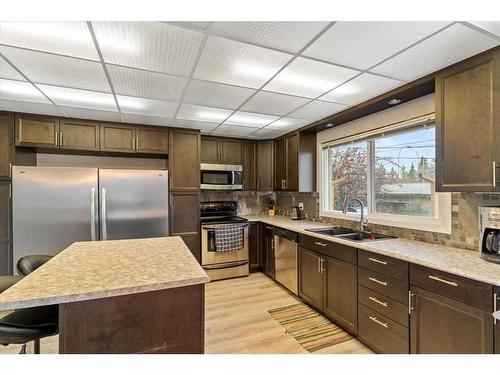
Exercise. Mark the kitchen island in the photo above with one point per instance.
(124, 296)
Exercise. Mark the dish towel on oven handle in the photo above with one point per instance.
(229, 238)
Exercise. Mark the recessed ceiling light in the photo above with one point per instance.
(394, 101)
(329, 125)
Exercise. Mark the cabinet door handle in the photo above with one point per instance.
(61, 139)
(383, 324)
(10, 170)
(495, 307)
(378, 261)
(410, 307)
(494, 174)
(319, 265)
(137, 143)
(441, 280)
(56, 141)
(321, 244)
(375, 280)
(374, 299)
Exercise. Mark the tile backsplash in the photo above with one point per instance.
(464, 218)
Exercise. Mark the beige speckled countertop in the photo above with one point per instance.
(91, 270)
(457, 261)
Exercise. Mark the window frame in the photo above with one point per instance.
(440, 222)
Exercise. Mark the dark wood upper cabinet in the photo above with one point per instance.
(117, 137)
(210, 150)
(264, 165)
(295, 162)
(184, 160)
(37, 131)
(6, 145)
(151, 140)
(254, 242)
(79, 135)
(230, 151)
(310, 278)
(468, 125)
(249, 163)
(341, 296)
(215, 150)
(440, 325)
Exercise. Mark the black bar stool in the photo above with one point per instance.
(31, 324)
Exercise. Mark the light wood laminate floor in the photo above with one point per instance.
(237, 321)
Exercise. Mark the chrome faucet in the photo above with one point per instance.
(363, 223)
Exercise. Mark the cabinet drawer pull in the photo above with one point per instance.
(375, 280)
(378, 301)
(378, 261)
(437, 278)
(270, 228)
(383, 324)
(321, 244)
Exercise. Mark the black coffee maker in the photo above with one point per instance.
(489, 231)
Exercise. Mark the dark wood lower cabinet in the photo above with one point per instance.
(164, 321)
(5, 258)
(267, 251)
(341, 297)
(440, 325)
(310, 278)
(254, 243)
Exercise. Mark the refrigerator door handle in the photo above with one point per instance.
(104, 231)
(92, 215)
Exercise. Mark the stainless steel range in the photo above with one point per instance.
(227, 257)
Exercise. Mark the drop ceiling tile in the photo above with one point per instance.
(134, 118)
(21, 91)
(454, 44)
(491, 26)
(238, 63)
(214, 94)
(317, 109)
(80, 98)
(149, 45)
(91, 114)
(287, 123)
(58, 70)
(8, 72)
(309, 78)
(233, 130)
(149, 107)
(363, 44)
(289, 36)
(273, 103)
(141, 83)
(255, 120)
(29, 107)
(361, 88)
(205, 127)
(197, 25)
(268, 133)
(204, 114)
(65, 38)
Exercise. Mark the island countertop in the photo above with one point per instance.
(100, 269)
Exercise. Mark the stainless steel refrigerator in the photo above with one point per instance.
(52, 207)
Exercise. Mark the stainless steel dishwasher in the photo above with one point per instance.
(285, 248)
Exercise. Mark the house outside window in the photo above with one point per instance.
(392, 170)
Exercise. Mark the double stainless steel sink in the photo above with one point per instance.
(350, 234)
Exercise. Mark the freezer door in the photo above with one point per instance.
(133, 203)
(52, 207)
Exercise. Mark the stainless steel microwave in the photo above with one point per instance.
(221, 177)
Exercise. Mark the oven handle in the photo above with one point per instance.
(225, 265)
(242, 226)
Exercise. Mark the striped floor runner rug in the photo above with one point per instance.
(309, 328)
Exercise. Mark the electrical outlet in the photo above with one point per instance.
(301, 205)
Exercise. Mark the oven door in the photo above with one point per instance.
(209, 255)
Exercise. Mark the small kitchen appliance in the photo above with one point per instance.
(296, 213)
(489, 232)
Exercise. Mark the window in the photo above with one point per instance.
(392, 172)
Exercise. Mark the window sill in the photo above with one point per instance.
(398, 221)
